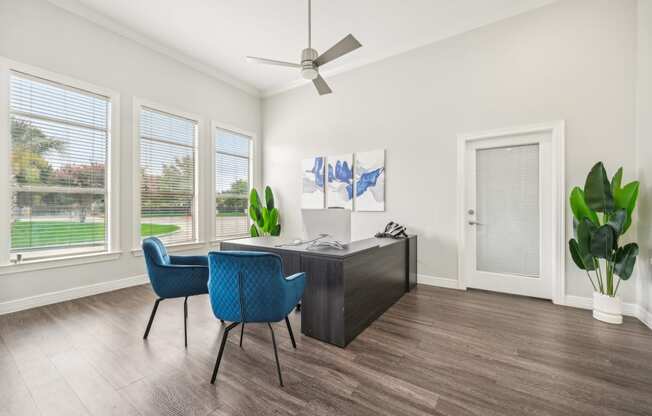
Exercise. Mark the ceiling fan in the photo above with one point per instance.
(311, 60)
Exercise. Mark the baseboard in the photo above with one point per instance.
(629, 309)
(69, 294)
(578, 302)
(646, 317)
(424, 279)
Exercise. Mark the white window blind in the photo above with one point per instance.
(232, 183)
(167, 163)
(60, 137)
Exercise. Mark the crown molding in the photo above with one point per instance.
(80, 10)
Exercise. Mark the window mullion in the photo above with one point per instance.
(5, 175)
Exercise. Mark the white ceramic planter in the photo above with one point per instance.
(607, 309)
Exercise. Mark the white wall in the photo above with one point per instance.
(573, 60)
(644, 134)
(37, 33)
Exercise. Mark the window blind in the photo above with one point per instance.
(167, 163)
(232, 183)
(59, 145)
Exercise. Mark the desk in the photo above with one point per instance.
(346, 290)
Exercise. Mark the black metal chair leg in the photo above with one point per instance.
(287, 322)
(241, 333)
(278, 365)
(151, 318)
(225, 334)
(185, 322)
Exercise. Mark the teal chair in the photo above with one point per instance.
(174, 277)
(250, 287)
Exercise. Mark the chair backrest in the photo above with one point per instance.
(246, 286)
(155, 253)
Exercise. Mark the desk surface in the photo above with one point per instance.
(282, 243)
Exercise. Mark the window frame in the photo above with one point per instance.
(215, 125)
(198, 238)
(112, 179)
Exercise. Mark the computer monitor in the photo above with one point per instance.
(334, 222)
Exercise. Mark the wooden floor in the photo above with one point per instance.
(436, 352)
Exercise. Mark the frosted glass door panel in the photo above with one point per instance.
(507, 206)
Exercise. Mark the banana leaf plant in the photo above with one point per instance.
(264, 217)
(602, 214)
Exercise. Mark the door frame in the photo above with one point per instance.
(557, 130)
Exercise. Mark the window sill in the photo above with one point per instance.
(56, 262)
(174, 248)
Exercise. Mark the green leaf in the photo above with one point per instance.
(579, 207)
(617, 221)
(625, 260)
(597, 190)
(575, 253)
(603, 242)
(254, 207)
(269, 198)
(254, 231)
(264, 224)
(276, 230)
(273, 218)
(254, 199)
(626, 198)
(616, 181)
(254, 213)
(583, 232)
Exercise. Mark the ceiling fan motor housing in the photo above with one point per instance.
(308, 67)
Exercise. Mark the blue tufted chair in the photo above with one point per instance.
(250, 287)
(174, 277)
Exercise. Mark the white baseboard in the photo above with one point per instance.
(424, 279)
(629, 309)
(69, 294)
(645, 316)
(578, 302)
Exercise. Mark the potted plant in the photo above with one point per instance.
(264, 217)
(602, 214)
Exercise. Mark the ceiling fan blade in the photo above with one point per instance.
(272, 62)
(321, 85)
(346, 45)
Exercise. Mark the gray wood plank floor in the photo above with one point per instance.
(436, 352)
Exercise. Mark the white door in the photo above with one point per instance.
(509, 214)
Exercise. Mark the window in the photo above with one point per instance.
(60, 139)
(232, 183)
(167, 187)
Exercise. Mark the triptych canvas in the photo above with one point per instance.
(344, 181)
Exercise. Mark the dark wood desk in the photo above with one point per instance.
(346, 290)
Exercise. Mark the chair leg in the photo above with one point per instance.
(185, 322)
(225, 334)
(278, 365)
(151, 318)
(287, 322)
(241, 333)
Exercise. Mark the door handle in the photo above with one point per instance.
(475, 223)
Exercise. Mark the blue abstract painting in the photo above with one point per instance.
(313, 183)
(339, 191)
(370, 181)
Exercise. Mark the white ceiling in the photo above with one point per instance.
(216, 35)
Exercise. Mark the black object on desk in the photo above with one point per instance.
(346, 290)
